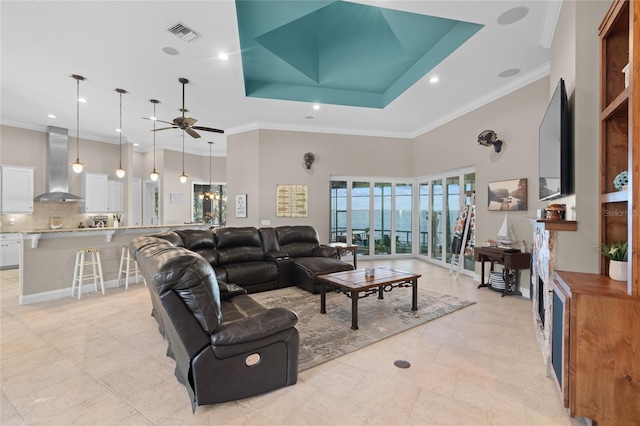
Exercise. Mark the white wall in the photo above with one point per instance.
(575, 58)
(515, 118)
(260, 160)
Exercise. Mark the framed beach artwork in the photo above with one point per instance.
(292, 201)
(507, 195)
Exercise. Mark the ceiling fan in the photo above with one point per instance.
(185, 123)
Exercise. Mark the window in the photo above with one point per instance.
(209, 203)
(374, 215)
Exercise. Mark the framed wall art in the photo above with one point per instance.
(241, 205)
(508, 195)
(292, 201)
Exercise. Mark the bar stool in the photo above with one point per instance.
(78, 271)
(128, 267)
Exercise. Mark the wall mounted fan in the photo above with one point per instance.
(185, 123)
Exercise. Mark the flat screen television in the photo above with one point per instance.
(555, 169)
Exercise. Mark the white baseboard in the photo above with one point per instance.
(62, 293)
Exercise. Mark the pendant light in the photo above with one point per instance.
(77, 166)
(183, 177)
(154, 175)
(209, 194)
(120, 172)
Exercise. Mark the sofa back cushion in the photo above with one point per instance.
(170, 236)
(189, 276)
(297, 241)
(201, 241)
(236, 245)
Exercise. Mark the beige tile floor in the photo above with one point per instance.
(101, 361)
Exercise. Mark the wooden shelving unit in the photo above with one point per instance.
(619, 117)
(595, 339)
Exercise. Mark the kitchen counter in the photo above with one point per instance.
(46, 265)
(109, 231)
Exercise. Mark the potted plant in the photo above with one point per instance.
(617, 254)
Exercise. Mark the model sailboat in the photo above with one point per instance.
(505, 236)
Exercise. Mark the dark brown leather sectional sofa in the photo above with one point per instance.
(225, 344)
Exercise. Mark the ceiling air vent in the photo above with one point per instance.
(182, 31)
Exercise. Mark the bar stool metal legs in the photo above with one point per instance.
(79, 274)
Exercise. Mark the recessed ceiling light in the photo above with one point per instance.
(513, 15)
(51, 116)
(223, 56)
(118, 130)
(170, 50)
(316, 107)
(83, 100)
(509, 73)
(434, 79)
(136, 144)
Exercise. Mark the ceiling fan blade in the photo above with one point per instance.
(208, 129)
(192, 132)
(160, 121)
(189, 121)
(164, 128)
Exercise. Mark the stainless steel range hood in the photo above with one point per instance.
(57, 168)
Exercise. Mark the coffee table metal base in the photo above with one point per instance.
(359, 291)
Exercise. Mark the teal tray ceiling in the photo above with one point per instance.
(336, 52)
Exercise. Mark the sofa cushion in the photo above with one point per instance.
(170, 236)
(306, 269)
(194, 239)
(250, 273)
(297, 241)
(236, 245)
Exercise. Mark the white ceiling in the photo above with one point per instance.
(118, 44)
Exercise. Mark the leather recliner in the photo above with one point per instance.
(226, 345)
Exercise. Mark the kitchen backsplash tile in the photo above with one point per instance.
(68, 212)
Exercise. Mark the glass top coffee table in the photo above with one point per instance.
(357, 285)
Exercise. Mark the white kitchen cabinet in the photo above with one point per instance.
(10, 246)
(93, 189)
(114, 196)
(17, 189)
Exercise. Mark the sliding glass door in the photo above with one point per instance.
(396, 217)
(375, 215)
(441, 198)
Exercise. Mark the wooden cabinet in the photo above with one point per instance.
(600, 356)
(114, 196)
(620, 130)
(93, 189)
(17, 189)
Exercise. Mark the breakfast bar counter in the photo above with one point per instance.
(47, 257)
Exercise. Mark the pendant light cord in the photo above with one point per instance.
(154, 136)
(78, 120)
(183, 152)
(120, 164)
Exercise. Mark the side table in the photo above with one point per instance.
(347, 248)
(511, 259)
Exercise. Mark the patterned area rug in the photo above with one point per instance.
(329, 336)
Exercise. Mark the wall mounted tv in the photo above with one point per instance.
(555, 169)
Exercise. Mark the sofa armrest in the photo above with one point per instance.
(276, 255)
(266, 323)
(325, 251)
(227, 291)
